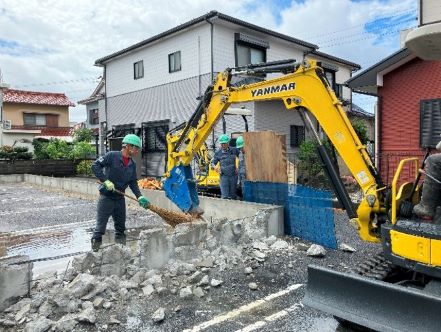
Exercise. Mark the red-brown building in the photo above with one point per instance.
(408, 115)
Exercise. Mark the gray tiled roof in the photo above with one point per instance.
(174, 101)
(358, 111)
(340, 60)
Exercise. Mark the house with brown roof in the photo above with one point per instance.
(27, 115)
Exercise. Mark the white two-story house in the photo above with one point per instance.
(154, 85)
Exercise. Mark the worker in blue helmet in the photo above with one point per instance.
(224, 162)
(116, 170)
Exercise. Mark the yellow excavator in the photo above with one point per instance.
(399, 290)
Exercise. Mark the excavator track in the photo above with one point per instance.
(377, 267)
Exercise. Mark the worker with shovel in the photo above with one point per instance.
(116, 170)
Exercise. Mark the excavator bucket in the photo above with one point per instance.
(180, 188)
(372, 303)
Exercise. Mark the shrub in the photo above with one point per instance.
(361, 129)
(58, 149)
(14, 153)
(309, 160)
(40, 149)
(81, 150)
(85, 167)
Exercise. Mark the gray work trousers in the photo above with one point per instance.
(110, 207)
(228, 186)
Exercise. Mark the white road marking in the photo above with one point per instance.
(271, 318)
(247, 307)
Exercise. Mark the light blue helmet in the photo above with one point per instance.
(239, 142)
(224, 139)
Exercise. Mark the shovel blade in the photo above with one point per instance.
(375, 304)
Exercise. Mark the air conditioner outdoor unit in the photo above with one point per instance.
(7, 125)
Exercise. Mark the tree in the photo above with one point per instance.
(82, 135)
(361, 129)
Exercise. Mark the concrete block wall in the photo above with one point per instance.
(213, 207)
(12, 178)
(15, 279)
(197, 240)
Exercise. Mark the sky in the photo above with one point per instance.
(52, 45)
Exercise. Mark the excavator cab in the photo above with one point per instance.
(405, 278)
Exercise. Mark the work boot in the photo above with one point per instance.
(120, 239)
(429, 201)
(96, 244)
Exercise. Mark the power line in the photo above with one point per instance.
(84, 79)
(359, 25)
(373, 31)
(364, 38)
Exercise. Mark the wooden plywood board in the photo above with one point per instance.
(265, 157)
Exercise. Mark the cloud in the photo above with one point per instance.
(51, 45)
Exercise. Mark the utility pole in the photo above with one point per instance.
(3, 86)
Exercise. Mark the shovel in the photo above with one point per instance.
(170, 217)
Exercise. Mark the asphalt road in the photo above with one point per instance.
(40, 218)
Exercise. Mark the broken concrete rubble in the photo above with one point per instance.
(41, 324)
(166, 261)
(158, 315)
(91, 291)
(347, 248)
(316, 250)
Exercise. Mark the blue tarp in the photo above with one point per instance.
(309, 212)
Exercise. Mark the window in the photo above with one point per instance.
(93, 116)
(297, 136)
(339, 90)
(249, 49)
(32, 119)
(330, 76)
(247, 54)
(430, 122)
(138, 70)
(174, 62)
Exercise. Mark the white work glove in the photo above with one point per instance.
(108, 185)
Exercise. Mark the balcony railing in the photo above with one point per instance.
(46, 131)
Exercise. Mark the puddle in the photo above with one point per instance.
(49, 243)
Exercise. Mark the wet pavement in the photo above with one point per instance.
(45, 224)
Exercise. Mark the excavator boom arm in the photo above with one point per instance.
(303, 88)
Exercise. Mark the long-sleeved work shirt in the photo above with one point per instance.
(111, 167)
(227, 160)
